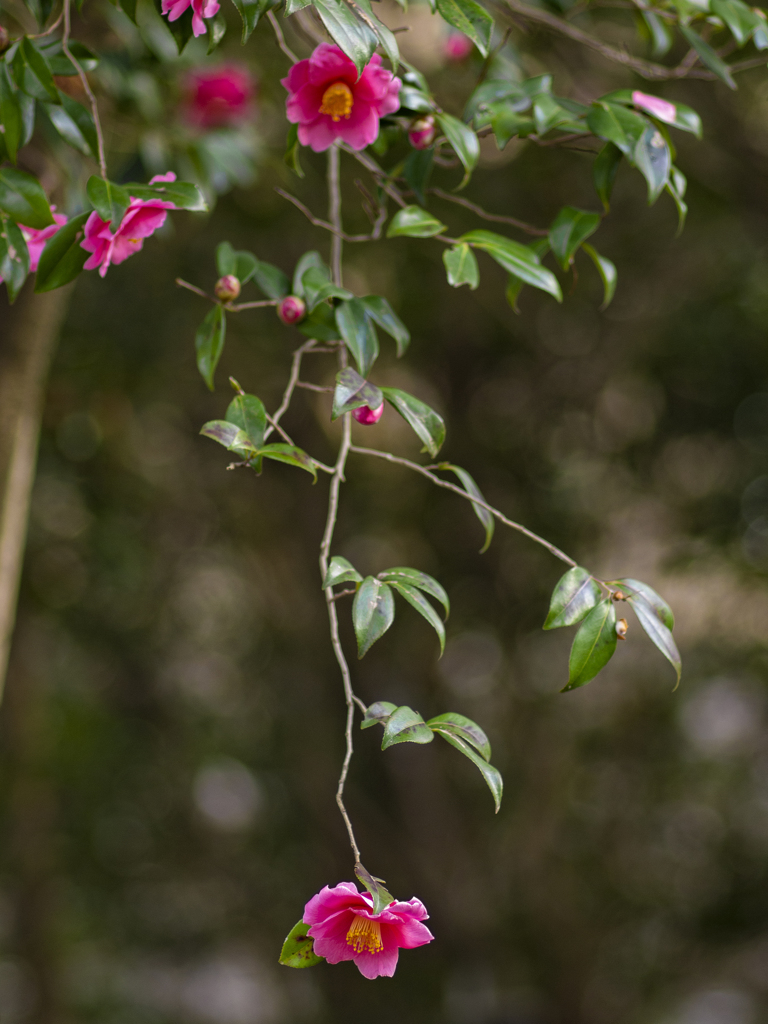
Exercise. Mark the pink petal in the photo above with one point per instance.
(198, 25)
(175, 9)
(125, 247)
(330, 901)
(320, 135)
(654, 105)
(362, 127)
(391, 102)
(93, 261)
(142, 220)
(409, 934)
(304, 105)
(335, 950)
(329, 63)
(297, 76)
(374, 80)
(377, 965)
(94, 228)
(169, 176)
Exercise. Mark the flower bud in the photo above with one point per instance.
(457, 47)
(621, 629)
(227, 288)
(5, 39)
(619, 595)
(291, 309)
(368, 416)
(422, 132)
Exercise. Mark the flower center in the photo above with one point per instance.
(337, 101)
(364, 936)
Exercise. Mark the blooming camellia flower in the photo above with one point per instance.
(344, 927)
(328, 101)
(654, 105)
(142, 218)
(200, 9)
(217, 96)
(37, 237)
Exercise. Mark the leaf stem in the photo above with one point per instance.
(334, 213)
(87, 88)
(281, 38)
(475, 501)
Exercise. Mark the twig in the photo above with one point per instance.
(288, 393)
(378, 172)
(319, 223)
(334, 213)
(281, 38)
(51, 28)
(312, 387)
(87, 87)
(475, 501)
(251, 305)
(193, 288)
(498, 218)
(343, 593)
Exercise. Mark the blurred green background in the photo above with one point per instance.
(173, 729)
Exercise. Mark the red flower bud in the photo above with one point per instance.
(227, 288)
(368, 416)
(422, 132)
(291, 309)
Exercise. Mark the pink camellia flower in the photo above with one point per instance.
(655, 106)
(368, 416)
(328, 101)
(142, 218)
(200, 9)
(421, 134)
(457, 47)
(37, 237)
(291, 309)
(217, 96)
(344, 927)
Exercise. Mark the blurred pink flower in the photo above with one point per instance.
(457, 47)
(37, 237)
(200, 9)
(655, 106)
(142, 218)
(344, 927)
(328, 101)
(217, 96)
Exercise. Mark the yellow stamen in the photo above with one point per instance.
(364, 936)
(337, 101)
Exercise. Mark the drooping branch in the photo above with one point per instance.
(86, 87)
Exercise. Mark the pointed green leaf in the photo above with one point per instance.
(248, 413)
(340, 571)
(251, 11)
(485, 517)
(464, 142)
(14, 257)
(358, 332)
(387, 38)
(232, 437)
(291, 456)
(375, 886)
(63, 257)
(310, 260)
(425, 421)
(352, 392)
(22, 197)
(604, 172)
(298, 948)
(377, 714)
(109, 200)
(422, 605)
(10, 114)
(661, 37)
(654, 160)
(414, 222)
(616, 124)
(465, 729)
(373, 612)
(461, 266)
(209, 343)
(491, 775)
(471, 19)
(569, 229)
(381, 311)
(574, 595)
(707, 55)
(184, 195)
(272, 281)
(660, 608)
(347, 30)
(656, 629)
(74, 124)
(37, 79)
(422, 580)
(676, 186)
(226, 261)
(607, 271)
(593, 645)
(518, 259)
(292, 149)
(405, 726)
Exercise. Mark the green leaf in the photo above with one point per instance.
(272, 281)
(294, 6)
(109, 200)
(74, 124)
(518, 259)
(14, 257)
(574, 595)
(464, 143)
(245, 266)
(548, 113)
(341, 571)
(661, 37)
(226, 260)
(676, 187)
(248, 413)
(375, 886)
(405, 726)
(425, 421)
(604, 172)
(654, 160)
(507, 123)
(415, 223)
(381, 311)
(422, 605)
(422, 580)
(658, 631)
(739, 18)
(320, 324)
(512, 291)
(183, 194)
(491, 775)
(216, 29)
(347, 31)
(292, 149)
(22, 197)
(310, 260)
(485, 517)
(616, 124)
(291, 456)
(209, 343)
(417, 169)
(387, 38)
(707, 55)
(10, 114)
(373, 612)
(607, 271)
(232, 437)
(461, 266)
(569, 229)
(471, 19)
(298, 948)
(317, 290)
(377, 714)
(465, 729)
(636, 589)
(593, 645)
(60, 64)
(63, 257)
(352, 392)
(359, 335)
(36, 77)
(414, 99)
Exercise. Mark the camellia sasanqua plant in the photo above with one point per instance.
(351, 97)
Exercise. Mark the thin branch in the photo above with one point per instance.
(289, 388)
(496, 217)
(285, 436)
(51, 28)
(343, 593)
(319, 223)
(87, 88)
(281, 38)
(475, 501)
(312, 387)
(334, 213)
(379, 173)
(193, 288)
(251, 305)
